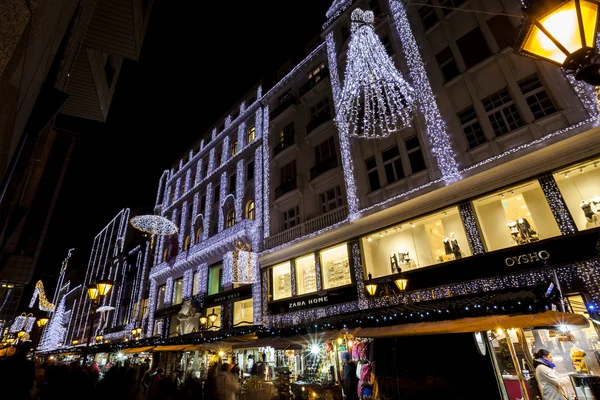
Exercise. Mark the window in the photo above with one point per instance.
(250, 209)
(109, 71)
(215, 279)
(251, 134)
(306, 275)
(502, 30)
(288, 172)
(325, 150)
(335, 267)
(428, 240)
(199, 233)
(250, 171)
(330, 199)
(373, 174)
(162, 290)
(232, 179)
(218, 158)
(392, 164)
(502, 112)
(415, 155)
(286, 134)
(204, 171)
(195, 283)
(203, 204)
(177, 291)
(230, 219)
(186, 243)
(320, 108)
(281, 283)
(315, 73)
(447, 64)
(471, 127)
(514, 216)
(450, 4)
(192, 177)
(288, 94)
(243, 313)
(291, 217)
(473, 48)
(216, 193)
(536, 96)
(234, 147)
(428, 15)
(580, 187)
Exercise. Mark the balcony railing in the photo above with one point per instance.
(285, 187)
(279, 147)
(313, 81)
(310, 226)
(283, 106)
(324, 166)
(320, 119)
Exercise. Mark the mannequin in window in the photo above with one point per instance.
(394, 263)
(447, 246)
(514, 232)
(528, 234)
(595, 199)
(404, 258)
(455, 246)
(589, 210)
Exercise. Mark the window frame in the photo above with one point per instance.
(501, 109)
(250, 209)
(230, 220)
(286, 219)
(325, 202)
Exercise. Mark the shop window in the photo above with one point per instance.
(250, 171)
(306, 276)
(373, 174)
(415, 155)
(335, 267)
(473, 48)
(243, 313)
(425, 241)
(537, 98)
(250, 134)
(428, 15)
(177, 291)
(517, 215)
(161, 296)
(291, 217)
(392, 164)
(330, 199)
(250, 209)
(281, 283)
(447, 64)
(471, 127)
(215, 279)
(502, 112)
(580, 188)
(195, 283)
(230, 219)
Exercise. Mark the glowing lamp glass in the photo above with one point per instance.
(371, 288)
(401, 284)
(75, 342)
(203, 320)
(104, 287)
(212, 317)
(92, 291)
(99, 338)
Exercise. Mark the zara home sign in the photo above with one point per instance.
(527, 258)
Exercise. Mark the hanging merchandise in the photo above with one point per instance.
(375, 100)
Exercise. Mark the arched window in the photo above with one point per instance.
(230, 219)
(251, 134)
(186, 243)
(165, 254)
(250, 209)
(199, 233)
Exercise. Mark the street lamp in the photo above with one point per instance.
(136, 332)
(96, 293)
(205, 319)
(563, 32)
(99, 338)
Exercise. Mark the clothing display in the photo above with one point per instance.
(394, 263)
(404, 259)
(590, 209)
(338, 272)
(455, 248)
(522, 232)
(447, 246)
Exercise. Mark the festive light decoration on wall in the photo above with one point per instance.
(441, 144)
(22, 322)
(375, 100)
(587, 94)
(45, 305)
(557, 205)
(55, 331)
(154, 225)
(266, 172)
(467, 215)
(338, 7)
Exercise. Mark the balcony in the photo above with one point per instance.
(317, 121)
(305, 228)
(286, 187)
(314, 81)
(285, 104)
(279, 147)
(323, 166)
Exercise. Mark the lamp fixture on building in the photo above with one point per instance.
(136, 332)
(41, 322)
(75, 342)
(208, 321)
(99, 338)
(563, 32)
(399, 280)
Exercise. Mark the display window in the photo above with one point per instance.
(580, 188)
(429, 240)
(243, 312)
(215, 279)
(177, 291)
(515, 216)
(306, 274)
(335, 267)
(281, 286)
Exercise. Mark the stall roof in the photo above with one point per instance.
(476, 324)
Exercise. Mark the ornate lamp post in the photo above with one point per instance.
(96, 292)
(563, 32)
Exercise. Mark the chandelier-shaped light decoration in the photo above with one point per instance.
(375, 100)
(154, 225)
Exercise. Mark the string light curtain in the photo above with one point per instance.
(375, 100)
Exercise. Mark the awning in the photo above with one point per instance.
(171, 347)
(287, 343)
(8, 351)
(134, 350)
(477, 324)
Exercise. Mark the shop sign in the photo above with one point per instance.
(231, 296)
(527, 258)
(319, 299)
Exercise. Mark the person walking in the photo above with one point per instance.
(227, 387)
(552, 385)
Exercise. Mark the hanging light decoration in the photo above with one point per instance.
(375, 100)
(154, 225)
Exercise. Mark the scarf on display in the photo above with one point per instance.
(546, 362)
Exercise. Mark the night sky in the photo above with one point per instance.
(198, 60)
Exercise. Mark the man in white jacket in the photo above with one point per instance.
(551, 383)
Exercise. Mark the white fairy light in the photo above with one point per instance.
(154, 225)
(338, 7)
(375, 100)
(45, 305)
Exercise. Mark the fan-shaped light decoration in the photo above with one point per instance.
(154, 225)
(375, 100)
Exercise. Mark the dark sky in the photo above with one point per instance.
(198, 60)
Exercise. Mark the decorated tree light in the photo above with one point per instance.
(375, 100)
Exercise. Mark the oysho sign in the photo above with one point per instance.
(527, 258)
